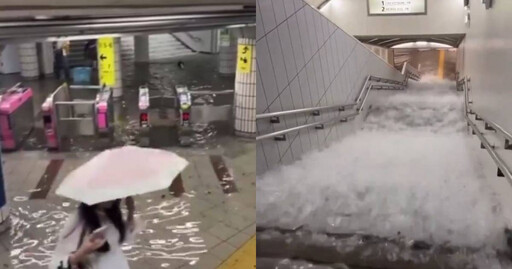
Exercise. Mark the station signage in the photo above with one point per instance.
(245, 55)
(397, 7)
(106, 61)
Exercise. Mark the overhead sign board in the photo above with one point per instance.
(107, 63)
(397, 7)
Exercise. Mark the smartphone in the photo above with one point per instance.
(99, 233)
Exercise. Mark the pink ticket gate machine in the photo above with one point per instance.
(16, 116)
(85, 108)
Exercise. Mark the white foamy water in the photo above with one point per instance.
(412, 170)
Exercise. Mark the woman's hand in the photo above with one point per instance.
(91, 243)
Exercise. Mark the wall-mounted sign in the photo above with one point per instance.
(397, 7)
(107, 63)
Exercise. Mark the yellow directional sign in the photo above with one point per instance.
(106, 61)
(244, 64)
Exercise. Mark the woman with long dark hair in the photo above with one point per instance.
(92, 237)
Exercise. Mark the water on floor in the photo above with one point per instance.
(211, 114)
(411, 172)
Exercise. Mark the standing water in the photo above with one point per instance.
(412, 170)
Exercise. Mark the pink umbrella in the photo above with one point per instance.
(122, 172)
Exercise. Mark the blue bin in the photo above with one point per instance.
(81, 75)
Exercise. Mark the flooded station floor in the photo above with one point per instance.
(210, 112)
(198, 223)
(202, 220)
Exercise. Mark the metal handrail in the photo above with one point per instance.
(359, 103)
(301, 110)
(321, 108)
(502, 166)
(278, 133)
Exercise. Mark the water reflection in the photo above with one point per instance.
(35, 226)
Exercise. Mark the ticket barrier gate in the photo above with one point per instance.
(149, 104)
(77, 110)
(16, 116)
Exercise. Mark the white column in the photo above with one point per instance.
(118, 88)
(141, 48)
(28, 60)
(245, 96)
(47, 58)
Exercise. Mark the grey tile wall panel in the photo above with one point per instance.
(310, 18)
(279, 11)
(304, 60)
(286, 99)
(305, 140)
(298, 4)
(293, 26)
(277, 59)
(289, 7)
(296, 146)
(271, 151)
(317, 21)
(304, 35)
(264, 126)
(287, 157)
(260, 31)
(305, 89)
(316, 66)
(261, 99)
(261, 162)
(314, 85)
(267, 15)
(267, 73)
(286, 46)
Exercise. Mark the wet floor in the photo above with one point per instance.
(193, 224)
(210, 117)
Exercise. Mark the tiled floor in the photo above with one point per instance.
(199, 229)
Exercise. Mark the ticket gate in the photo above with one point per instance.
(4, 207)
(16, 116)
(77, 110)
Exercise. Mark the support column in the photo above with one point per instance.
(227, 52)
(28, 60)
(141, 45)
(245, 89)
(46, 59)
(118, 88)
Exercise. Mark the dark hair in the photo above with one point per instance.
(92, 221)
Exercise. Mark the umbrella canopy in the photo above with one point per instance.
(122, 172)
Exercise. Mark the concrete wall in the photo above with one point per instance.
(488, 58)
(443, 17)
(304, 60)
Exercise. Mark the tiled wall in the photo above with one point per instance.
(304, 60)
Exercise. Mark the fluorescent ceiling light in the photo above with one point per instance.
(422, 44)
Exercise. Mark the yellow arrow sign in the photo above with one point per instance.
(244, 64)
(106, 61)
